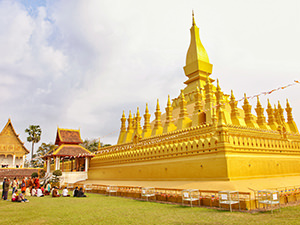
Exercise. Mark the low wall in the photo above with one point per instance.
(17, 172)
(72, 177)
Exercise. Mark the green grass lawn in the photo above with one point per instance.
(100, 209)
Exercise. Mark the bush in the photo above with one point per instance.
(56, 174)
(34, 174)
(42, 173)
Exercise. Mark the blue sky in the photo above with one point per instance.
(80, 63)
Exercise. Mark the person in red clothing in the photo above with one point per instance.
(37, 182)
(23, 185)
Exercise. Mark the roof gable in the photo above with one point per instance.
(67, 136)
(9, 132)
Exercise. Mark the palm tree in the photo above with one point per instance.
(34, 132)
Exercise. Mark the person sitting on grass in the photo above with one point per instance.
(33, 191)
(55, 192)
(48, 188)
(65, 192)
(39, 192)
(21, 197)
(15, 195)
(81, 193)
(27, 192)
(75, 193)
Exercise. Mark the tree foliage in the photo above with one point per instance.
(34, 135)
(92, 144)
(37, 160)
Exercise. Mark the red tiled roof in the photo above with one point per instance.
(68, 136)
(71, 150)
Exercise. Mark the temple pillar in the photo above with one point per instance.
(57, 166)
(14, 161)
(48, 165)
(86, 164)
(62, 165)
(72, 165)
(23, 160)
(76, 163)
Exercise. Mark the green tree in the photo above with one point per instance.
(37, 160)
(92, 144)
(34, 132)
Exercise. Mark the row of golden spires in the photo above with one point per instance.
(206, 113)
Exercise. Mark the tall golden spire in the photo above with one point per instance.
(196, 50)
(197, 67)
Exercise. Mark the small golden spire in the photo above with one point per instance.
(147, 110)
(169, 101)
(99, 145)
(157, 105)
(258, 102)
(218, 85)
(232, 98)
(287, 103)
(123, 122)
(129, 126)
(245, 99)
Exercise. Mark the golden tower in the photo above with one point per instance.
(203, 135)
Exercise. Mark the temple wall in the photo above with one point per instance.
(210, 166)
(245, 165)
(199, 154)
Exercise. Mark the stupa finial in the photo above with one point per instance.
(193, 22)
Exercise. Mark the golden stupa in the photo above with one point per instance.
(202, 136)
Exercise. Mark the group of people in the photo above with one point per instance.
(65, 192)
(32, 187)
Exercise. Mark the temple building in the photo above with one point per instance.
(69, 157)
(202, 135)
(12, 149)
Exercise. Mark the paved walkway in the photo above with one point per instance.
(239, 185)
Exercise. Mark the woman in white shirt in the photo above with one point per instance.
(33, 192)
(65, 192)
(39, 193)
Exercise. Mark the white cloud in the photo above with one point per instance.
(81, 63)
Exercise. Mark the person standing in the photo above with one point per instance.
(37, 182)
(6, 188)
(3, 184)
(14, 185)
(23, 185)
